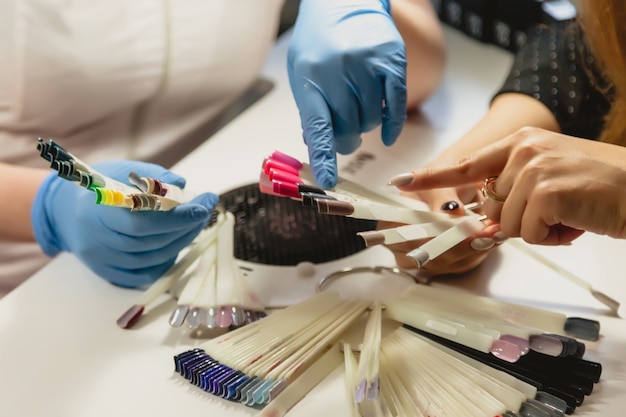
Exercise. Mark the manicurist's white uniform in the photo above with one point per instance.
(119, 79)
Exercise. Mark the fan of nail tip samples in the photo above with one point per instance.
(253, 227)
(480, 357)
(270, 230)
(283, 175)
(211, 291)
(140, 194)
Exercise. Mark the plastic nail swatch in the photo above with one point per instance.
(214, 294)
(286, 176)
(140, 194)
(431, 352)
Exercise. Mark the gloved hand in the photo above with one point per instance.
(347, 70)
(126, 248)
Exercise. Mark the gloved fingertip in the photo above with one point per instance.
(325, 176)
(208, 200)
(390, 132)
(170, 178)
(346, 146)
(199, 213)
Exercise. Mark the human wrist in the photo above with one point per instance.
(42, 226)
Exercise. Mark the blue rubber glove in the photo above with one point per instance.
(347, 70)
(129, 249)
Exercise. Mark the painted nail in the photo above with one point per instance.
(286, 189)
(522, 343)
(402, 179)
(506, 351)
(482, 243)
(499, 237)
(337, 208)
(582, 328)
(224, 318)
(277, 165)
(286, 159)
(283, 176)
(450, 205)
(546, 344)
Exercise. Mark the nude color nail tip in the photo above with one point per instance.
(547, 345)
(506, 351)
(482, 243)
(402, 179)
(522, 343)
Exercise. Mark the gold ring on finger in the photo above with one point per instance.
(488, 190)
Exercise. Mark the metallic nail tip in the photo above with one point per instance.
(373, 391)
(372, 238)
(334, 207)
(420, 256)
(130, 317)
(194, 318)
(359, 393)
(178, 315)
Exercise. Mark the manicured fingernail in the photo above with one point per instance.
(482, 243)
(499, 237)
(450, 205)
(402, 179)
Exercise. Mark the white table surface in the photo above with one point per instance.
(61, 353)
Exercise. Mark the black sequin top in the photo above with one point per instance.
(557, 69)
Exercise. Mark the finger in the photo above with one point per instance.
(347, 125)
(370, 101)
(394, 111)
(538, 228)
(172, 178)
(133, 278)
(461, 258)
(118, 257)
(147, 223)
(486, 162)
(509, 214)
(134, 244)
(146, 169)
(319, 138)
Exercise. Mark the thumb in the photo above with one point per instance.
(202, 206)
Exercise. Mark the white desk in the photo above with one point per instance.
(61, 353)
